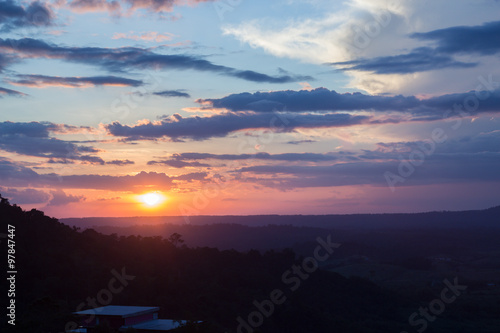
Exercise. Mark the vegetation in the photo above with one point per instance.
(61, 267)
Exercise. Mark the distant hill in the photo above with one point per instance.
(445, 219)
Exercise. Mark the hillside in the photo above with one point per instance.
(61, 267)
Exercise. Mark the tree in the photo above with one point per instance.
(175, 239)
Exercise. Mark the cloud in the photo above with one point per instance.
(43, 81)
(319, 99)
(25, 196)
(437, 169)
(150, 36)
(9, 92)
(298, 142)
(122, 59)
(479, 39)
(382, 36)
(13, 15)
(322, 99)
(178, 164)
(33, 139)
(59, 198)
(201, 128)
(290, 157)
(181, 160)
(84, 6)
(471, 40)
(117, 8)
(5, 60)
(15, 174)
(172, 93)
(120, 162)
(419, 60)
(132, 183)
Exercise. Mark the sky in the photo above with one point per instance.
(238, 107)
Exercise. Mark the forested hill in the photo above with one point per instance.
(61, 269)
(486, 218)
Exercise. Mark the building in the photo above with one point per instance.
(143, 319)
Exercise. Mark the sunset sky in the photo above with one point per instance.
(223, 107)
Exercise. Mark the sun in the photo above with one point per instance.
(152, 199)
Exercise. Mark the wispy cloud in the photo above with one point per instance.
(151, 36)
(172, 93)
(117, 8)
(43, 81)
(17, 175)
(290, 157)
(120, 59)
(120, 162)
(9, 92)
(419, 60)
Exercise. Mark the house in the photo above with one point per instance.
(143, 319)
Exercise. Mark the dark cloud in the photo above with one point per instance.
(33, 139)
(291, 157)
(25, 196)
(15, 174)
(126, 58)
(172, 93)
(419, 60)
(320, 99)
(463, 159)
(181, 160)
(202, 128)
(298, 142)
(14, 15)
(42, 81)
(9, 92)
(190, 177)
(481, 39)
(135, 183)
(436, 169)
(473, 40)
(59, 198)
(178, 163)
(121, 162)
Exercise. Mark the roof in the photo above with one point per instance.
(119, 310)
(158, 325)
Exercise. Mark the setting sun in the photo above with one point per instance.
(152, 199)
